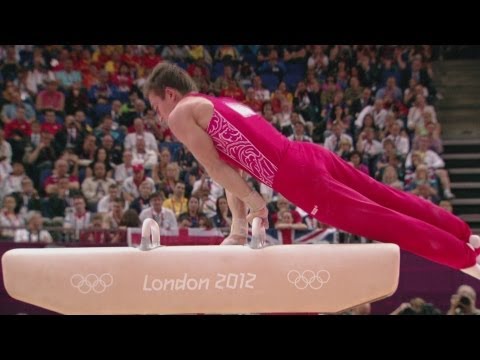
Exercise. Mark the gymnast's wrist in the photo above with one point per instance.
(254, 201)
(239, 227)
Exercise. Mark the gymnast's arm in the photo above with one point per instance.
(184, 125)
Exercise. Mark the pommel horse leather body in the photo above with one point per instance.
(203, 279)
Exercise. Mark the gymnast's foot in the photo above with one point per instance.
(234, 240)
(474, 241)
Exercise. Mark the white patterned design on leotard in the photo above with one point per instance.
(231, 142)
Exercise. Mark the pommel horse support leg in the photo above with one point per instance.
(202, 279)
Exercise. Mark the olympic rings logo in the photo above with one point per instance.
(91, 282)
(308, 278)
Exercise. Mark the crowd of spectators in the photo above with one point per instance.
(80, 148)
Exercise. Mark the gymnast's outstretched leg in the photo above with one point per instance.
(351, 211)
(396, 200)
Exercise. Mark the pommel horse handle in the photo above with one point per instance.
(258, 234)
(150, 235)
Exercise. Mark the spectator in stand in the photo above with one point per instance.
(203, 83)
(344, 149)
(356, 162)
(142, 155)
(68, 76)
(19, 126)
(391, 89)
(131, 185)
(138, 110)
(332, 142)
(416, 114)
(390, 177)
(51, 99)
(102, 89)
(233, 91)
(177, 202)
(34, 231)
(244, 76)
(353, 94)
(282, 204)
(433, 135)
(106, 202)
(125, 168)
(96, 187)
(416, 306)
(113, 218)
(227, 54)
(164, 217)
(40, 158)
(250, 100)
(143, 201)
(160, 170)
(410, 93)
(422, 176)
(390, 156)
(273, 67)
(299, 132)
(50, 123)
(70, 135)
(106, 128)
(285, 221)
(76, 99)
(60, 171)
(10, 218)
(284, 119)
(378, 113)
(9, 110)
(463, 302)
(261, 93)
(123, 81)
(139, 132)
(5, 156)
(150, 59)
(418, 73)
(223, 216)
(360, 104)
(27, 198)
(402, 143)
(39, 77)
(191, 218)
(199, 52)
(11, 183)
(433, 160)
(318, 62)
(78, 218)
(175, 53)
(222, 81)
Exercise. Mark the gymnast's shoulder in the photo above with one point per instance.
(192, 109)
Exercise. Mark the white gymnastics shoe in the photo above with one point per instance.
(474, 241)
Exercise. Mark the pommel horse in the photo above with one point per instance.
(155, 279)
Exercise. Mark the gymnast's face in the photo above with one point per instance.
(164, 106)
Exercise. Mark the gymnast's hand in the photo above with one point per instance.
(258, 207)
(261, 213)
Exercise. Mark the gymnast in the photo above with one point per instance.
(227, 137)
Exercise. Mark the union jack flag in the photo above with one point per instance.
(196, 236)
(289, 236)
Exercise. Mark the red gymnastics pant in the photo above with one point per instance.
(335, 193)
